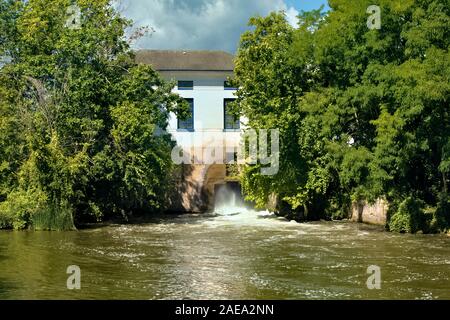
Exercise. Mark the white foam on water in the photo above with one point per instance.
(230, 211)
(243, 216)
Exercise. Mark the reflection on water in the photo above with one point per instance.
(234, 254)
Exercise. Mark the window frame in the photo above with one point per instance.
(191, 103)
(236, 123)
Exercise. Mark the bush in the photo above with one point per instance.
(6, 221)
(20, 206)
(409, 218)
(31, 209)
(442, 215)
(55, 217)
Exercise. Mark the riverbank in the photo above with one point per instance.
(161, 217)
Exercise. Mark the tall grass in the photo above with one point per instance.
(54, 218)
(6, 221)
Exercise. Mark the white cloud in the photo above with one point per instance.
(291, 16)
(198, 24)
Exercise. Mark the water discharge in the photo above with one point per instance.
(234, 253)
(228, 200)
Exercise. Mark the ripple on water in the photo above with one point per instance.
(250, 255)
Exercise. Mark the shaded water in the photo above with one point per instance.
(234, 255)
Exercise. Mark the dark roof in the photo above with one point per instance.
(166, 60)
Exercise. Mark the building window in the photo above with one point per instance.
(188, 124)
(228, 86)
(185, 85)
(232, 122)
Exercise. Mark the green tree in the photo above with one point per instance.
(79, 118)
(362, 113)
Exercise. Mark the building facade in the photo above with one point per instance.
(209, 139)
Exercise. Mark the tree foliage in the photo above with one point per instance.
(362, 113)
(78, 118)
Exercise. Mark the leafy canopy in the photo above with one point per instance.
(78, 117)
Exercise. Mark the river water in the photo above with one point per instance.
(230, 255)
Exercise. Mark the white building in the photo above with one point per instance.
(201, 78)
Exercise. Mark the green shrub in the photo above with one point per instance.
(6, 221)
(339, 207)
(31, 209)
(19, 207)
(56, 217)
(409, 218)
(442, 215)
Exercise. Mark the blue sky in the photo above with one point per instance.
(204, 24)
(307, 5)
